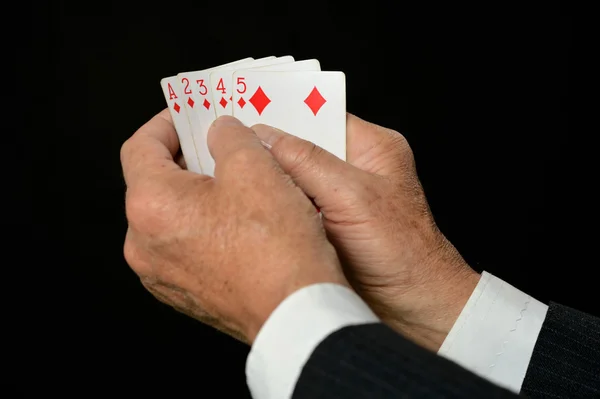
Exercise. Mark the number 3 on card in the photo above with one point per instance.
(203, 89)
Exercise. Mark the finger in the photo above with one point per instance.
(151, 149)
(320, 174)
(374, 148)
(232, 143)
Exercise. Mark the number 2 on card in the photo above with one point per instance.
(186, 89)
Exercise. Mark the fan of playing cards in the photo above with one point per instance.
(294, 96)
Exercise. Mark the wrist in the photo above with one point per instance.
(256, 319)
(428, 312)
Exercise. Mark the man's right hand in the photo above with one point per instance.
(377, 216)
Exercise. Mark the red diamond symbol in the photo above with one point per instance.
(206, 104)
(230, 98)
(190, 102)
(315, 100)
(176, 107)
(241, 102)
(223, 102)
(260, 100)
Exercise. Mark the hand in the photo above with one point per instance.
(227, 250)
(377, 216)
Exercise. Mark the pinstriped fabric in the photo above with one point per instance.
(566, 359)
(372, 361)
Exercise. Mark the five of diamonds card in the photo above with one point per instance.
(294, 96)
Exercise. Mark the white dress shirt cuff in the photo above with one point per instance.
(294, 330)
(495, 334)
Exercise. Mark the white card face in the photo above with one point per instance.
(222, 84)
(200, 110)
(176, 102)
(310, 105)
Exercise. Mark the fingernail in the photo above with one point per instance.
(227, 120)
(268, 134)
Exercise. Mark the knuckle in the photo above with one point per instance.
(387, 136)
(133, 257)
(398, 139)
(401, 148)
(243, 155)
(131, 254)
(149, 211)
(240, 159)
(125, 149)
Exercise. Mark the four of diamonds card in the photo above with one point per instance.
(294, 96)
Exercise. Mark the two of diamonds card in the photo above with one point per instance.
(294, 96)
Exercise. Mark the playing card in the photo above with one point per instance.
(307, 104)
(222, 84)
(200, 110)
(304, 65)
(175, 100)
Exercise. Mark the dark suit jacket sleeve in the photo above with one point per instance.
(566, 357)
(372, 361)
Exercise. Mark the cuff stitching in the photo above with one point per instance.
(511, 331)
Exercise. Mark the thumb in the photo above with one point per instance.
(321, 175)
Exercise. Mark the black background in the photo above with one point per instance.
(481, 91)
